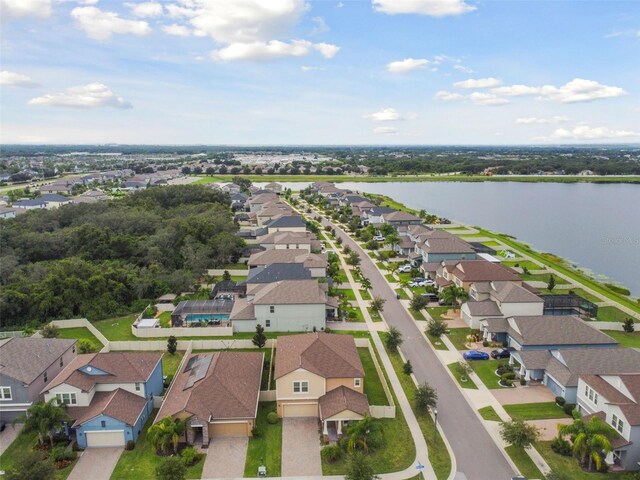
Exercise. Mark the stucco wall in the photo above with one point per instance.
(284, 386)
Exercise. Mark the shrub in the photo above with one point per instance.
(569, 408)
(507, 376)
(190, 456)
(407, 368)
(171, 468)
(436, 328)
(85, 346)
(523, 381)
(502, 369)
(485, 343)
(61, 454)
(131, 444)
(506, 382)
(331, 453)
(256, 432)
(561, 447)
(49, 331)
(272, 418)
(628, 325)
(560, 401)
(75, 447)
(168, 381)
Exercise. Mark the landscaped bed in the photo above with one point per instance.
(437, 342)
(348, 293)
(463, 380)
(373, 388)
(535, 411)
(437, 312)
(266, 447)
(375, 316)
(365, 294)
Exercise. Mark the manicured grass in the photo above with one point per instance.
(586, 295)
(365, 294)
(141, 462)
(235, 278)
(612, 314)
(535, 411)
(170, 363)
(390, 278)
(235, 266)
(380, 265)
(117, 328)
(359, 316)
(402, 293)
(373, 388)
(492, 244)
(523, 462)
(543, 277)
(522, 263)
(626, 339)
(348, 293)
(416, 314)
(266, 446)
(468, 383)
(438, 453)
(437, 312)
(80, 333)
(485, 369)
(165, 319)
(374, 315)
(458, 337)
(489, 413)
(437, 343)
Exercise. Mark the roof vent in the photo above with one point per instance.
(89, 369)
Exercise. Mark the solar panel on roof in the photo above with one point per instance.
(198, 371)
(190, 363)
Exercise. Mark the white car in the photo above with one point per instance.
(405, 269)
(379, 238)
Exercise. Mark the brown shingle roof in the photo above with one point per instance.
(24, 359)
(399, 217)
(229, 388)
(281, 238)
(446, 245)
(509, 292)
(340, 399)
(482, 271)
(294, 255)
(555, 330)
(325, 354)
(119, 404)
(288, 292)
(629, 406)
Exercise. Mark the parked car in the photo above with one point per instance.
(379, 238)
(405, 268)
(432, 297)
(502, 352)
(442, 302)
(475, 355)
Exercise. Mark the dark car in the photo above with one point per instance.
(475, 355)
(502, 352)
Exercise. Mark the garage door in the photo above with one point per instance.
(299, 410)
(228, 429)
(113, 438)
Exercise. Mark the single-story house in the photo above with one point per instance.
(213, 312)
(397, 218)
(47, 201)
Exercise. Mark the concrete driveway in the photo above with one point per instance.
(549, 428)
(226, 457)
(9, 435)
(300, 447)
(96, 463)
(534, 394)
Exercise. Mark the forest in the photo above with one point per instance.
(110, 258)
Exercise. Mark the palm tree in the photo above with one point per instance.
(366, 283)
(358, 434)
(165, 433)
(454, 295)
(44, 418)
(392, 239)
(591, 439)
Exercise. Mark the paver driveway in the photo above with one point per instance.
(96, 463)
(226, 457)
(300, 447)
(8, 435)
(533, 394)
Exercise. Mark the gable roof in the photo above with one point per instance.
(340, 399)
(630, 405)
(122, 367)
(446, 245)
(288, 292)
(293, 255)
(119, 404)
(488, 308)
(327, 355)
(24, 359)
(398, 216)
(481, 271)
(509, 292)
(287, 221)
(277, 272)
(229, 388)
(280, 238)
(567, 365)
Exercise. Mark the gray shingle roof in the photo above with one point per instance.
(567, 365)
(287, 222)
(278, 271)
(486, 307)
(24, 359)
(509, 292)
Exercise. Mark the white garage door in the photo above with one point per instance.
(300, 410)
(112, 438)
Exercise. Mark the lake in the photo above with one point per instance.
(594, 226)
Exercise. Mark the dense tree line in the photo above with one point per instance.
(105, 259)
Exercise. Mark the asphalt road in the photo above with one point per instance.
(477, 456)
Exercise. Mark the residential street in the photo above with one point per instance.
(477, 456)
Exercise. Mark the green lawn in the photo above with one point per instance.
(165, 319)
(492, 244)
(578, 291)
(458, 337)
(391, 278)
(374, 315)
(348, 293)
(523, 462)
(365, 294)
(523, 263)
(342, 277)
(468, 383)
(416, 314)
(117, 328)
(489, 413)
(373, 388)
(402, 293)
(626, 339)
(235, 266)
(80, 333)
(612, 314)
(485, 369)
(170, 363)
(380, 265)
(266, 446)
(438, 453)
(437, 312)
(437, 342)
(543, 277)
(359, 316)
(535, 411)
(235, 278)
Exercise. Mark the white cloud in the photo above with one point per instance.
(385, 115)
(540, 121)
(577, 90)
(479, 83)
(25, 8)
(433, 8)
(145, 9)
(92, 95)
(487, 99)
(448, 96)
(585, 132)
(320, 25)
(14, 79)
(176, 11)
(271, 50)
(462, 68)
(406, 65)
(307, 68)
(177, 30)
(385, 130)
(101, 25)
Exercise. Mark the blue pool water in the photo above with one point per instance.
(207, 317)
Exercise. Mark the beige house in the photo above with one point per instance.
(320, 375)
(464, 273)
(290, 241)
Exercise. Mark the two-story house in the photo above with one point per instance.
(109, 396)
(27, 365)
(256, 202)
(315, 263)
(287, 223)
(290, 241)
(320, 375)
(398, 218)
(464, 273)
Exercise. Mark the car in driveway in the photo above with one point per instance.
(379, 238)
(502, 352)
(475, 355)
(405, 268)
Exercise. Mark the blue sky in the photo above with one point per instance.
(301, 72)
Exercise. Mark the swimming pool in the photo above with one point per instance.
(207, 317)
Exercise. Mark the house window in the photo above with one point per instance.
(357, 382)
(301, 387)
(617, 423)
(267, 323)
(5, 393)
(66, 398)
(272, 309)
(103, 423)
(45, 377)
(591, 394)
(137, 387)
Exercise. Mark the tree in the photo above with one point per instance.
(628, 325)
(366, 283)
(591, 440)
(85, 346)
(394, 339)
(377, 304)
(418, 302)
(454, 295)
(29, 465)
(387, 229)
(425, 398)
(259, 339)
(361, 434)
(359, 468)
(436, 327)
(44, 418)
(392, 239)
(171, 468)
(519, 433)
(407, 368)
(552, 282)
(172, 345)
(353, 259)
(226, 275)
(50, 331)
(166, 433)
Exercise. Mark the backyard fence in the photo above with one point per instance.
(182, 332)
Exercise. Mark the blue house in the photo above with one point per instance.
(109, 396)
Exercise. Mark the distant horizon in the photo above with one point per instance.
(292, 145)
